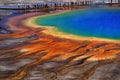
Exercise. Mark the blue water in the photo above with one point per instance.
(102, 23)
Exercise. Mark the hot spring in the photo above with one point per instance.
(101, 23)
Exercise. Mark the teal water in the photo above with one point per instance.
(102, 23)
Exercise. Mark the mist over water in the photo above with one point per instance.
(102, 23)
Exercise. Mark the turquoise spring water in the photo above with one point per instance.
(102, 23)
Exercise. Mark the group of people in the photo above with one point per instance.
(54, 4)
